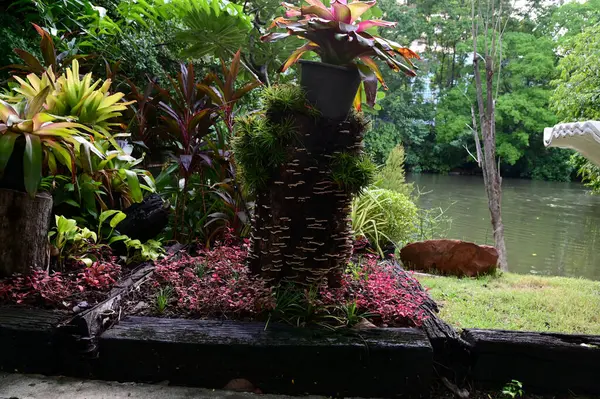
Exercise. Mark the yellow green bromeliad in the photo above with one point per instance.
(59, 119)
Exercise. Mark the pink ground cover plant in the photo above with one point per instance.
(216, 283)
(61, 290)
(391, 296)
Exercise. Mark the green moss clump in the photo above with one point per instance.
(259, 147)
(280, 99)
(352, 172)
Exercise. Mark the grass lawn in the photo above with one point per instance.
(518, 302)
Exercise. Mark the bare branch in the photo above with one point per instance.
(492, 20)
(476, 138)
(471, 155)
(487, 20)
(478, 86)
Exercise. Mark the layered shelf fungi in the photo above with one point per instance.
(303, 169)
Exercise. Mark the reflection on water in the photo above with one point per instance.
(550, 228)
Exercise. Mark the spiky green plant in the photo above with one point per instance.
(260, 147)
(59, 120)
(392, 176)
(352, 172)
(284, 98)
(162, 299)
(384, 217)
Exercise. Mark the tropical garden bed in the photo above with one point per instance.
(217, 284)
(208, 206)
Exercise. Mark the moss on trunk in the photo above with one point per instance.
(304, 170)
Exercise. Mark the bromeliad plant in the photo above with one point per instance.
(59, 119)
(87, 102)
(339, 36)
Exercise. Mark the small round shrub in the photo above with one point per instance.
(384, 217)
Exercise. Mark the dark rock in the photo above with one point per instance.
(363, 325)
(140, 306)
(240, 385)
(455, 257)
(146, 219)
(81, 306)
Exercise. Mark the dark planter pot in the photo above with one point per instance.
(14, 175)
(330, 88)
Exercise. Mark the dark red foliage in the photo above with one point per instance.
(215, 283)
(382, 289)
(44, 288)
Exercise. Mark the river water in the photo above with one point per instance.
(550, 228)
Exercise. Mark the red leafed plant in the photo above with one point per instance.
(215, 283)
(52, 289)
(392, 296)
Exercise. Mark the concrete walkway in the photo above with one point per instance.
(24, 386)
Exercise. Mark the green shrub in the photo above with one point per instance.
(352, 172)
(384, 217)
(392, 176)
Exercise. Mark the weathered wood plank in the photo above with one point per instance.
(544, 362)
(281, 359)
(451, 353)
(93, 321)
(29, 341)
(52, 342)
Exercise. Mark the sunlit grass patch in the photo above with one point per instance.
(518, 302)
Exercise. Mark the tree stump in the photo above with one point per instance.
(24, 223)
(301, 230)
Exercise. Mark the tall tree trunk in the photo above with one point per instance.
(24, 223)
(486, 107)
(301, 230)
(452, 72)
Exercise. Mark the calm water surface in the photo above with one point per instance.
(550, 228)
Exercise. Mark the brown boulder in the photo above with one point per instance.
(241, 385)
(455, 257)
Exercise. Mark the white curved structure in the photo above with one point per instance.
(583, 137)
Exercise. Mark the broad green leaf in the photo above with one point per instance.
(87, 262)
(7, 144)
(72, 203)
(61, 153)
(64, 225)
(90, 146)
(106, 214)
(118, 218)
(36, 104)
(52, 163)
(32, 163)
(134, 186)
(118, 238)
(147, 176)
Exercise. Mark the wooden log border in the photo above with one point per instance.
(50, 342)
(543, 362)
(379, 362)
(42, 341)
